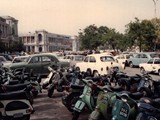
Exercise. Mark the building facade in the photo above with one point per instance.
(75, 44)
(8, 30)
(43, 41)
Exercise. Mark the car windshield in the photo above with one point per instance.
(106, 58)
(79, 58)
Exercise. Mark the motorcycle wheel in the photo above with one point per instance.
(26, 117)
(75, 115)
(44, 86)
(35, 94)
(50, 91)
(71, 100)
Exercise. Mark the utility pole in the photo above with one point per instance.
(155, 7)
(155, 13)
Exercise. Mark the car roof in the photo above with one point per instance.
(99, 55)
(21, 56)
(43, 54)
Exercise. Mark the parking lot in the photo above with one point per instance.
(53, 109)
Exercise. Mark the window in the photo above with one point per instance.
(79, 58)
(40, 38)
(138, 56)
(157, 61)
(86, 59)
(150, 61)
(106, 58)
(46, 59)
(143, 56)
(92, 59)
(35, 59)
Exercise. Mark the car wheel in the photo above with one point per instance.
(142, 70)
(131, 65)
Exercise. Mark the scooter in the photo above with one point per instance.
(105, 102)
(125, 108)
(18, 87)
(87, 99)
(149, 109)
(45, 82)
(57, 81)
(15, 106)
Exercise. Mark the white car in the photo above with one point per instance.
(4, 62)
(73, 59)
(153, 65)
(99, 64)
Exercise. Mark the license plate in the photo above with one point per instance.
(124, 112)
(79, 105)
(17, 115)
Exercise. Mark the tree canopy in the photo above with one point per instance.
(145, 34)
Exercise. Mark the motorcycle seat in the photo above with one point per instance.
(16, 87)
(134, 79)
(13, 82)
(13, 95)
(94, 79)
(77, 86)
(136, 95)
(116, 89)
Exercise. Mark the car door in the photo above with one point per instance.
(136, 59)
(148, 66)
(84, 65)
(92, 63)
(156, 65)
(144, 58)
(46, 62)
(34, 64)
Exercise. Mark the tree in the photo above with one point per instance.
(91, 37)
(142, 34)
(156, 23)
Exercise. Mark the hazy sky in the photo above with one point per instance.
(68, 16)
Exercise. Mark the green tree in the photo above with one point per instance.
(156, 23)
(142, 34)
(91, 37)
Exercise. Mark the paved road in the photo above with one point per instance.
(52, 108)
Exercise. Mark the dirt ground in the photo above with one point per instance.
(52, 108)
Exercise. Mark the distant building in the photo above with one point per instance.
(43, 41)
(8, 30)
(75, 44)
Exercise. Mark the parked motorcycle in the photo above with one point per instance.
(57, 81)
(87, 99)
(15, 106)
(137, 83)
(149, 109)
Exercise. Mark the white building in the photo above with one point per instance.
(43, 41)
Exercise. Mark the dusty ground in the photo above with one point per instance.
(52, 108)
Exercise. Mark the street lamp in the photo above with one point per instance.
(155, 12)
(155, 5)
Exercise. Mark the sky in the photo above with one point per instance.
(69, 16)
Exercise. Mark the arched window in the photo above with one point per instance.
(40, 38)
(40, 49)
